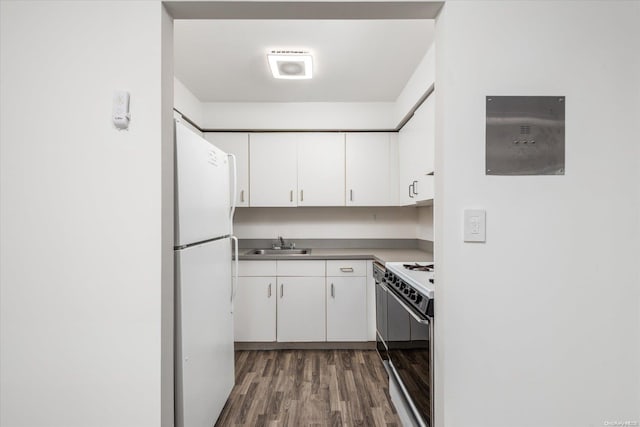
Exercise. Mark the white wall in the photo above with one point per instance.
(326, 223)
(425, 223)
(539, 325)
(418, 84)
(186, 102)
(298, 115)
(81, 214)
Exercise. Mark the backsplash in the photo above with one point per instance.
(334, 223)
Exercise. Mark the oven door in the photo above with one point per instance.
(409, 348)
(381, 320)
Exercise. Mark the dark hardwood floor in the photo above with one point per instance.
(309, 388)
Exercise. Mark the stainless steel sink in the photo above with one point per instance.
(280, 252)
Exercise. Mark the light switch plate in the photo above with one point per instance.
(475, 225)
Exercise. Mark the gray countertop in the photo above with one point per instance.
(379, 254)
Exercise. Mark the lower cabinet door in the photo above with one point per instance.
(346, 308)
(254, 313)
(301, 309)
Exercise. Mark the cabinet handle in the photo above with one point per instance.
(242, 195)
(415, 188)
(269, 291)
(302, 195)
(346, 269)
(410, 192)
(351, 195)
(291, 196)
(281, 290)
(333, 292)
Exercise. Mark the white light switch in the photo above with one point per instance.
(475, 225)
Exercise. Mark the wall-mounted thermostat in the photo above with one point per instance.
(121, 114)
(525, 135)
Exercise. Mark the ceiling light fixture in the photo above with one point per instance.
(290, 64)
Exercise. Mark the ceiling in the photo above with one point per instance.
(354, 60)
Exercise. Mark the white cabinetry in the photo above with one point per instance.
(416, 151)
(254, 313)
(274, 168)
(370, 169)
(237, 144)
(321, 169)
(297, 169)
(301, 309)
(346, 301)
(294, 301)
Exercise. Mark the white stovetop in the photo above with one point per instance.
(417, 279)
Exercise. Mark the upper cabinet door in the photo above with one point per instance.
(417, 141)
(426, 115)
(273, 163)
(408, 158)
(321, 169)
(368, 169)
(238, 144)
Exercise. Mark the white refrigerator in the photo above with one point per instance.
(204, 359)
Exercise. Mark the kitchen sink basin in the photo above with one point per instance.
(280, 252)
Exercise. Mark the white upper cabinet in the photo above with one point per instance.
(236, 143)
(321, 169)
(416, 150)
(371, 160)
(273, 158)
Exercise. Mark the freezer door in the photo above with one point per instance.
(202, 189)
(204, 371)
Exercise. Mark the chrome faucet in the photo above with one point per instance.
(283, 244)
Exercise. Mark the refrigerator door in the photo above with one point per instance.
(202, 189)
(204, 374)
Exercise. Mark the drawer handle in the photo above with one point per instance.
(269, 291)
(242, 195)
(333, 292)
(346, 269)
(281, 290)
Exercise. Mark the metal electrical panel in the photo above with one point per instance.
(525, 135)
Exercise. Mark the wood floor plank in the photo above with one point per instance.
(309, 388)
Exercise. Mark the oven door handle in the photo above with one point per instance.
(416, 316)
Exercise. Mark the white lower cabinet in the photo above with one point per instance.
(295, 301)
(254, 313)
(346, 308)
(301, 309)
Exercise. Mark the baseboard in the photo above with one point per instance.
(323, 345)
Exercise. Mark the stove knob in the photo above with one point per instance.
(418, 299)
(413, 296)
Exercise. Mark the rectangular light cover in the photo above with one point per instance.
(290, 66)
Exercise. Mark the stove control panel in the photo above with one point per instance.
(419, 302)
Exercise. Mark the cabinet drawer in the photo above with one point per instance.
(355, 268)
(301, 268)
(257, 268)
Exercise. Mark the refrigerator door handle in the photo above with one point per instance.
(234, 279)
(233, 193)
